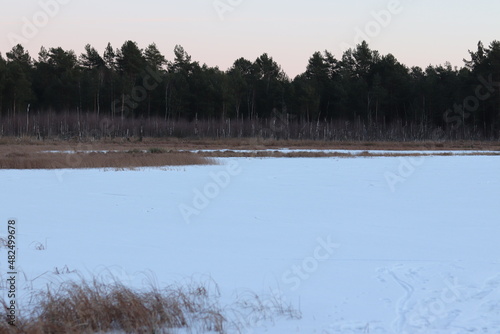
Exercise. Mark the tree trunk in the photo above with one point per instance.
(166, 102)
(123, 105)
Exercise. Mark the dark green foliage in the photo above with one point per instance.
(374, 91)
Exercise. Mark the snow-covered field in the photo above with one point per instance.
(362, 245)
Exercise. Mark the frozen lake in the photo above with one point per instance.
(359, 245)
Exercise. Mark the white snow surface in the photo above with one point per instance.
(364, 245)
(356, 152)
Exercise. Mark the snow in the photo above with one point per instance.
(363, 245)
(357, 152)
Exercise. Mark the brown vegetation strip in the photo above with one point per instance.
(10, 143)
(132, 159)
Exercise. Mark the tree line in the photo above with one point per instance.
(363, 91)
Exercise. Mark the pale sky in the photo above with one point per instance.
(417, 32)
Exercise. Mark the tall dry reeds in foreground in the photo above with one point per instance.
(94, 307)
(99, 307)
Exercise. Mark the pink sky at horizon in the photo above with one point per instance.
(417, 33)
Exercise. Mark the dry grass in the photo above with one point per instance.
(95, 307)
(254, 309)
(7, 143)
(130, 159)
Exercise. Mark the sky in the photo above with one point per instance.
(217, 32)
